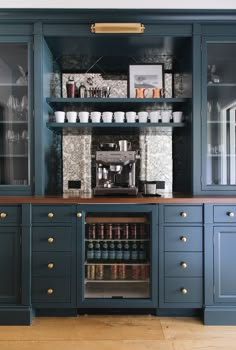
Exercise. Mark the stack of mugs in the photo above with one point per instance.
(165, 116)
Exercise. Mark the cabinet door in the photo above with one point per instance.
(9, 265)
(15, 112)
(224, 264)
(219, 109)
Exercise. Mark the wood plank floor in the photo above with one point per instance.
(117, 333)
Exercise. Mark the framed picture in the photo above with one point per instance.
(148, 77)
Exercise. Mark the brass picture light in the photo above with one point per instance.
(117, 28)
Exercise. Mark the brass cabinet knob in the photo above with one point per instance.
(183, 239)
(231, 214)
(183, 214)
(3, 215)
(50, 215)
(50, 291)
(184, 291)
(79, 215)
(50, 239)
(183, 265)
(50, 266)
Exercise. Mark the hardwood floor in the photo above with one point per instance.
(117, 333)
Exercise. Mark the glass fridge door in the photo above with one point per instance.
(117, 255)
(14, 114)
(221, 109)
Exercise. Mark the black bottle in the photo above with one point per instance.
(104, 251)
(97, 251)
(90, 251)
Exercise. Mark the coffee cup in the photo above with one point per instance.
(150, 187)
(166, 116)
(95, 117)
(131, 117)
(71, 117)
(119, 116)
(107, 117)
(142, 117)
(83, 117)
(154, 116)
(60, 116)
(177, 116)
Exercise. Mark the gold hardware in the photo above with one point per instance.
(50, 215)
(231, 214)
(3, 215)
(50, 266)
(50, 239)
(79, 215)
(116, 28)
(183, 265)
(184, 291)
(183, 214)
(50, 291)
(183, 239)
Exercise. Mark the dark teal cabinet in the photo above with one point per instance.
(16, 109)
(54, 252)
(181, 256)
(117, 257)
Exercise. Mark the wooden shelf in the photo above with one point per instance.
(116, 281)
(118, 220)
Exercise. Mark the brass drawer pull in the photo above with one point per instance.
(50, 215)
(50, 266)
(50, 239)
(183, 265)
(183, 214)
(3, 215)
(50, 291)
(183, 239)
(79, 215)
(184, 291)
(231, 214)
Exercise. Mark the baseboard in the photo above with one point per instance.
(220, 315)
(15, 315)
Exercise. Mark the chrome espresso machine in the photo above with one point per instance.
(115, 169)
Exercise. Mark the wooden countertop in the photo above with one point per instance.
(89, 199)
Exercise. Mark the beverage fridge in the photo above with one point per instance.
(119, 260)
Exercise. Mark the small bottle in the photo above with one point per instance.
(119, 251)
(142, 252)
(70, 87)
(90, 251)
(126, 251)
(111, 252)
(82, 92)
(97, 251)
(134, 252)
(104, 251)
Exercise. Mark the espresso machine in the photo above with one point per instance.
(115, 172)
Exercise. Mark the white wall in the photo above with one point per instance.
(155, 4)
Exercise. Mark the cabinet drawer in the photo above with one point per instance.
(52, 214)
(225, 213)
(175, 287)
(183, 213)
(46, 289)
(9, 215)
(51, 264)
(52, 239)
(179, 238)
(183, 264)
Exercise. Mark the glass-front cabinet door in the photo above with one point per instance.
(219, 111)
(15, 126)
(119, 256)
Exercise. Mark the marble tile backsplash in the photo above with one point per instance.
(154, 145)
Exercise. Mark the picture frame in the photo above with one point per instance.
(147, 76)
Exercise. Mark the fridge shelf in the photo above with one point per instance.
(117, 280)
(118, 220)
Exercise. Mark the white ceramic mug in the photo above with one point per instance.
(71, 117)
(96, 117)
(60, 116)
(154, 116)
(142, 117)
(83, 117)
(119, 116)
(166, 116)
(131, 117)
(177, 116)
(107, 117)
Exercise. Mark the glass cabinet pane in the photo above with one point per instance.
(221, 107)
(117, 256)
(14, 117)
